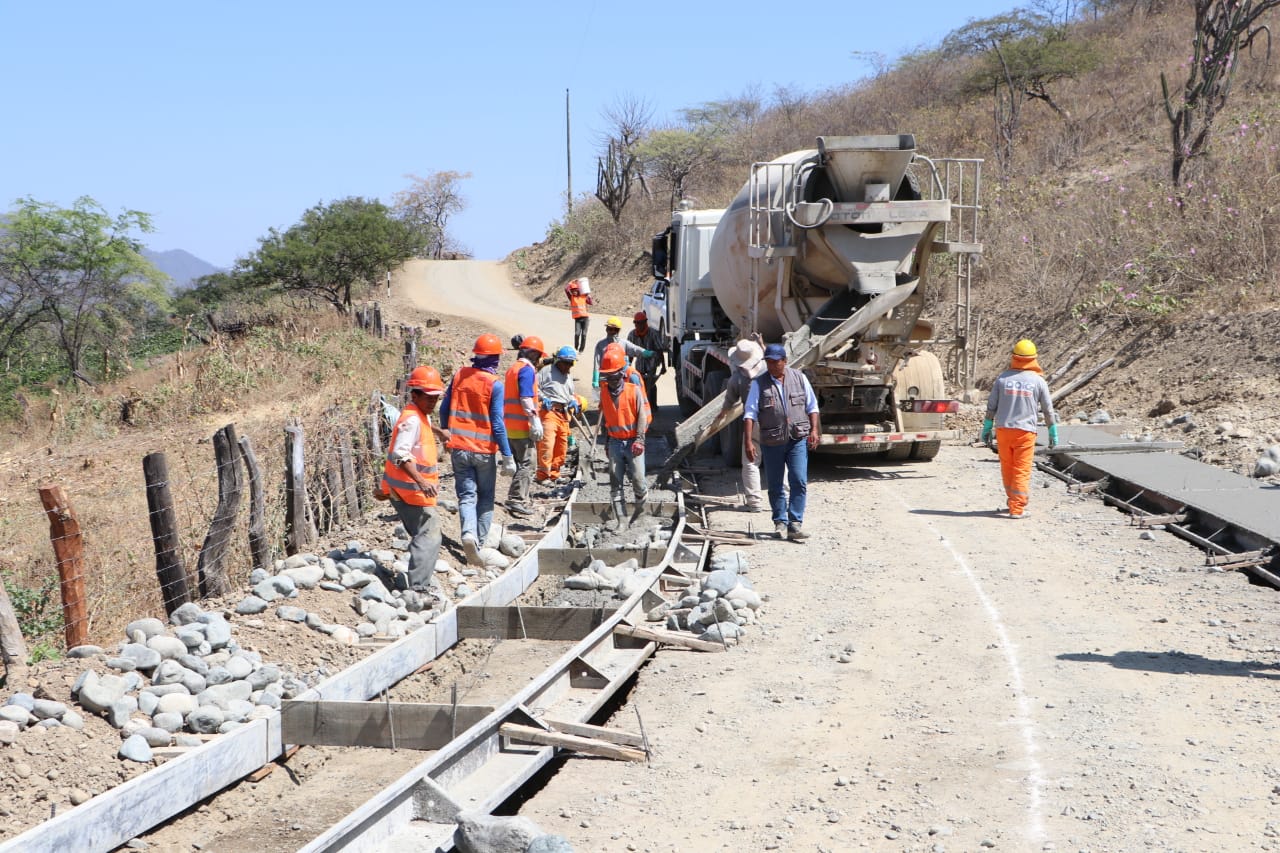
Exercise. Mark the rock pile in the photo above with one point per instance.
(169, 684)
(722, 609)
(1268, 464)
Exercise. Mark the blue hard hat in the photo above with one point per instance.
(566, 354)
(775, 352)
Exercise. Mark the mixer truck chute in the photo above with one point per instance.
(825, 249)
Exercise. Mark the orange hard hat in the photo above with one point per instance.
(487, 344)
(534, 342)
(426, 379)
(613, 359)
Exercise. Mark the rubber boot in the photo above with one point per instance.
(639, 510)
(619, 514)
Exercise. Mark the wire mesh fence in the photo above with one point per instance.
(82, 557)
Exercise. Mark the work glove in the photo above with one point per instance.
(647, 353)
(595, 379)
(637, 448)
(1053, 436)
(508, 466)
(987, 430)
(535, 429)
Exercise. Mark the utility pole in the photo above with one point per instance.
(568, 155)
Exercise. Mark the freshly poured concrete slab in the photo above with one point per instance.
(1240, 501)
(1074, 438)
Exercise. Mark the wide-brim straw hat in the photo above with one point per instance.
(746, 354)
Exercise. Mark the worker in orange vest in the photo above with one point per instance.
(625, 413)
(411, 475)
(1017, 396)
(472, 409)
(559, 404)
(522, 421)
(578, 302)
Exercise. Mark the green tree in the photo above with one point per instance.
(427, 206)
(1224, 29)
(87, 270)
(333, 253)
(1018, 57)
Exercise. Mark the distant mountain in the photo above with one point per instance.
(181, 266)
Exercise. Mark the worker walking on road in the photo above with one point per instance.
(472, 410)
(559, 405)
(1017, 395)
(783, 403)
(625, 413)
(650, 366)
(612, 329)
(411, 475)
(747, 358)
(522, 421)
(578, 302)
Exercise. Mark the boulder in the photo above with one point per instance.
(483, 833)
(136, 748)
(305, 577)
(253, 604)
(97, 695)
(169, 648)
(186, 614)
(148, 627)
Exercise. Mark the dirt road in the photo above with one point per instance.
(482, 291)
(933, 676)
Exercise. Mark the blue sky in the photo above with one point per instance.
(224, 119)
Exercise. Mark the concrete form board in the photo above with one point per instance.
(1239, 501)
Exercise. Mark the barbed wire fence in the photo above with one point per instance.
(83, 557)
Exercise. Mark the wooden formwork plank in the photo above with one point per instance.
(566, 624)
(386, 725)
(597, 732)
(587, 745)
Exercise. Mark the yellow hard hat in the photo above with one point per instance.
(615, 322)
(1024, 348)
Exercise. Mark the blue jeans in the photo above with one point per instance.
(794, 457)
(622, 464)
(475, 477)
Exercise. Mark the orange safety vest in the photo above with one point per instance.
(577, 305)
(469, 424)
(513, 414)
(395, 482)
(621, 418)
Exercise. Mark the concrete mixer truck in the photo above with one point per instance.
(827, 250)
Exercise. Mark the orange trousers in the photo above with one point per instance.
(1017, 452)
(554, 444)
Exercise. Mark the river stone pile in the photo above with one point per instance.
(646, 530)
(625, 579)
(169, 684)
(724, 606)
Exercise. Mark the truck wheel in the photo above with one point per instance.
(898, 452)
(924, 451)
(920, 377)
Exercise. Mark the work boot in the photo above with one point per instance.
(780, 529)
(795, 533)
(472, 549)
(519, 510)
(639, 510)
(620, 512)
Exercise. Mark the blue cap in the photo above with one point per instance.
(566, 354)
(775, 352)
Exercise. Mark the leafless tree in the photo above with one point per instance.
(427, 205)
(1223, 30)
(629, 119)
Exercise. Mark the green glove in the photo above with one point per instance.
(595, 379)
(647, 354)
(987, 426)
(1053, 435)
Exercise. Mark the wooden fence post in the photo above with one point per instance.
(68, 547)
(350, 490)
(212, 567)
(295, 491)
(375, 424)
(164, 533)
(259, 545)
(13, 649)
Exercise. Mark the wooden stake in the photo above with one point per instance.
(212, 566)
(68, 547)
(259, 544)
(669, 637)
(295, 522)
(170, 571)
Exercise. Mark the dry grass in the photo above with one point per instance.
(320, 372)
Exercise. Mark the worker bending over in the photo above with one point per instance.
(559, 405)
(1016, 397)
(625, 413)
